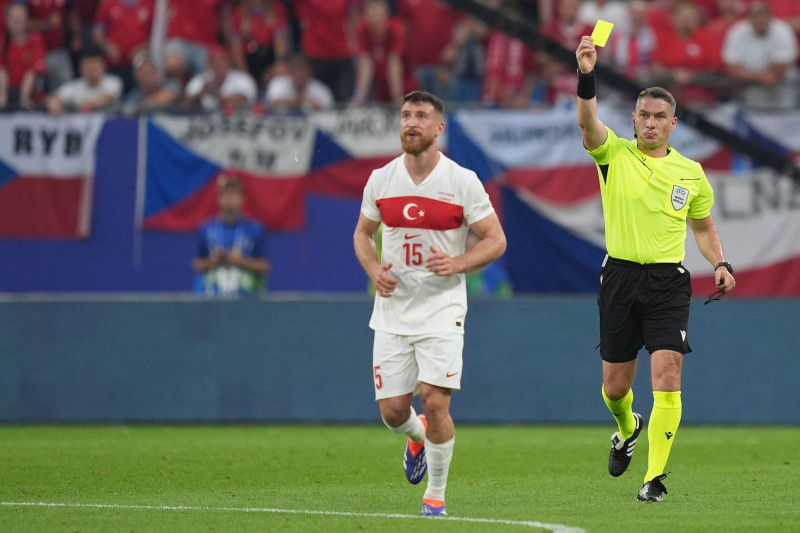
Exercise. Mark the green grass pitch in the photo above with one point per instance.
(201, 478)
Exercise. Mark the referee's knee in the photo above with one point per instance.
(616, 391)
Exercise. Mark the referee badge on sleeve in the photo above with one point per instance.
(679, 197)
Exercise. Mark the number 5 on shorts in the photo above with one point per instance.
(378, 380)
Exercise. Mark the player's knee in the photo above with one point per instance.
(436, 406)
(394, 415)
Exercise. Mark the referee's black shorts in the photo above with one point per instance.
(643, 305)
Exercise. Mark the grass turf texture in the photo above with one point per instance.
(723, 479)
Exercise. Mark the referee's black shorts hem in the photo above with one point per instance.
(673, 348)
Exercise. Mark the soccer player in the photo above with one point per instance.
(427, 204)
(649, 191)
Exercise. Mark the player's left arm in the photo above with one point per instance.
(710, 245)
(491, 246)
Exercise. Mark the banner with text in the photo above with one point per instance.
(47, 168)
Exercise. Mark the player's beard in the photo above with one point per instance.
(416, 145)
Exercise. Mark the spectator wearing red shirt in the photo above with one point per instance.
(567, 29)
(51, 18)
(21, 62)
(429, 26)
(259, 37)
(510, 75)
(630, 51)
(687, 59)
(194, 26)
(379, 63)
(122, 30)
(328, 39)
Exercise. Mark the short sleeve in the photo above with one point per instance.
(259, 241)
(700, 206)
(785, 48)
(195, 85)
(603, 153)
(398, 36)
(362, 38)
(112, 85)
(477, 204)
(369, 204)
(202, 242)
(67, 92)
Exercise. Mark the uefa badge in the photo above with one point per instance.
(679, 197)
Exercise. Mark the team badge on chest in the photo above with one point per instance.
(679, 197)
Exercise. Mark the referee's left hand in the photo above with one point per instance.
(723, 280)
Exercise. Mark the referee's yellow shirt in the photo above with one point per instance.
(646, 200)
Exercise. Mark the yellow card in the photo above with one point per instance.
(601, 32)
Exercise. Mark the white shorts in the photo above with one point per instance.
(401, 362)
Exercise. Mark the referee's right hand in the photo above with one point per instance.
(586, 54)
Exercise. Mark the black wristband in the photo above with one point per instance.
(724, 264)
(586, 89)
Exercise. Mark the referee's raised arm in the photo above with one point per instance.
(593, 130)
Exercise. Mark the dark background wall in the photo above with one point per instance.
(309, 360)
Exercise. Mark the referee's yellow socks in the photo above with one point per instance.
(661, 430)
(623, 412)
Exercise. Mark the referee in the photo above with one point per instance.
(649, 190)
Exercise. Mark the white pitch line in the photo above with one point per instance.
(555, 528)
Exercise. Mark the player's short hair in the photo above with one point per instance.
(227, 183)
(422, 97)
(661, 94)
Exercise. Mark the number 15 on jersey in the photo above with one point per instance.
(413, 252)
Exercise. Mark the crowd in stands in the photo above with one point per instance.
(267, 55)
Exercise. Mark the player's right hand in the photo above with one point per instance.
(385, 284)
(586, 54)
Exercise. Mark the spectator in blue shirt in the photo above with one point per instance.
(231, 258)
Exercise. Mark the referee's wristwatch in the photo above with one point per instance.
(724, 264)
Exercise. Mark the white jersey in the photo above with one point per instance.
(436, 212)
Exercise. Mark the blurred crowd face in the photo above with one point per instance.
(638, 11)
(147, 76)
(730, 7)
(686, 18)
(17, 20)
(419, 126)
(568, 10)
(760, 17)
(92, 69)
(300, 72)
(230, 203)
(219, 64)
(376, 13)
